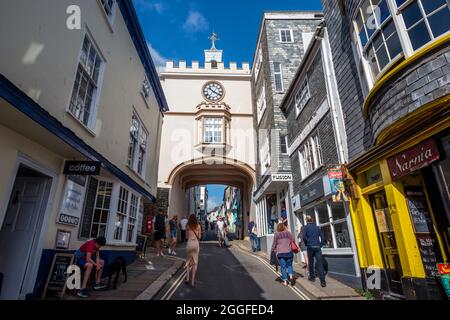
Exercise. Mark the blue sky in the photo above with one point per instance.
(215, 195)
(179, 29)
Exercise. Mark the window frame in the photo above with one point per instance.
(261, 102)
(291, 35)
(110, 18)
(285, 138)
(280, 74)
(301, 97)
(406, 43)
(144, 88)
(110, 209)
(95, 99)
(134, 165)
(214, 127)
(258, 65)
(310, 156)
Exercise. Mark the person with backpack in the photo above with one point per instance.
(314, 240)
(87, 258)
(160, 232)
(282, 245)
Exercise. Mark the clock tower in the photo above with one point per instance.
(213, 54)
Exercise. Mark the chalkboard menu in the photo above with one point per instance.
(141, 243)
(57, 276)
(418, 209)
(428, 248)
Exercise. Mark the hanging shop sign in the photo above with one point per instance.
(72, 201)
(444, 274)
(82, 167)
(336, 176)
(413, 159)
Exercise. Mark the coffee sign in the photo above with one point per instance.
(413, 159)
(82, 167)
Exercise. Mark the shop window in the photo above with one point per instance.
(372, 176)
(122, 211)
(132, 218)
(337, 210)
(326, 229)
(322, 213)
(425, 20)
(342, 234)
(101, 209)
(87, 82)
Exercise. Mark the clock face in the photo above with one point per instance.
(213, 91)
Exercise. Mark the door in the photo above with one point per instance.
(387, 242)
(19, 231)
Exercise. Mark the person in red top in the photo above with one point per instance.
(85, 256)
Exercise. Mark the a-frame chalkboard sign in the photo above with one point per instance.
(56, 280)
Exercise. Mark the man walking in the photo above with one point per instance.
(173, 232)
(160, 232)
(183, 224)
(314, 240)
(252, 232)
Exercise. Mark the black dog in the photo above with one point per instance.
(119, 264)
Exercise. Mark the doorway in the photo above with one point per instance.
(386, 238)
(21, 229)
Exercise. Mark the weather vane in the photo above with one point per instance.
(213, 39)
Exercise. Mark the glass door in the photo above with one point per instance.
(387, 241)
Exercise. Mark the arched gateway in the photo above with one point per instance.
(207, 137)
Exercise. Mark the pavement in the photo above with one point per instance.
(146, 277)
(335, 290)
(233, 273)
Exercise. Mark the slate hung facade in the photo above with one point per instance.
(393, 75)
(317, 140)
(282, 40)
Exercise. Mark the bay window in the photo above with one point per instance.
(101, 209)
(378, 38)
(386, 30)
(132, 218)
(425, 20)
(212, 129)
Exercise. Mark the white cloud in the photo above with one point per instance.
(143, 5)
(213, 202)
(195, 22)
(158, 59)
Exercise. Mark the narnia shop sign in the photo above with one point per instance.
(413, 159)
